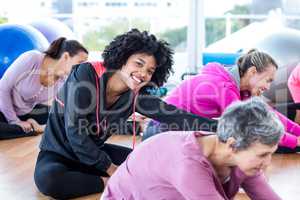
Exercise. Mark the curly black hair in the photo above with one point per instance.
(116, 54)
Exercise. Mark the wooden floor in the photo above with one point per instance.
(18, 157)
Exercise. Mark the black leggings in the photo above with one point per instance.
(61, 178)
(284, 150)
(10, 131)
(288, 109)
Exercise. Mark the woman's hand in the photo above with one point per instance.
(25, 125)
(38, 129)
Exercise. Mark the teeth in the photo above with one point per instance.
(136, 79)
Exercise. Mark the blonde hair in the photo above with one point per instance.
(258, 59)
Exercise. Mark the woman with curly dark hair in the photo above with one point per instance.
(94, 103)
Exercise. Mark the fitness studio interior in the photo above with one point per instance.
(150, 99)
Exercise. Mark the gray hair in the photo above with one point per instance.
(248, 122)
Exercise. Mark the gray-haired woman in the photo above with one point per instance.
(202, 165)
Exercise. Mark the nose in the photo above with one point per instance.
(268, 85)
(143, 74)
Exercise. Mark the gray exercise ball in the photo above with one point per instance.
(284, 47)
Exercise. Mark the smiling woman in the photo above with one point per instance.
(94, 103)
(138, 71)
(211, 91)
(32, 80)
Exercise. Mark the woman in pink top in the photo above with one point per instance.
(215, 87)
(294, 87)
(31, 80)
(194, 165)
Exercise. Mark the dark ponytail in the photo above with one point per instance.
(258, 59)
(61, 45)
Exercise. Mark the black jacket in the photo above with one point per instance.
(79, 122)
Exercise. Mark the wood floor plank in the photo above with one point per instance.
(18, 157)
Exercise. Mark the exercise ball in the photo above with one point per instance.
(227, 59)
(53, 29)
(15, 40)
(284, 47)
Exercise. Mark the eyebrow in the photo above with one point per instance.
(140, 59)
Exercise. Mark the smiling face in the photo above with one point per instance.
(258, 82)
(138, 70)
(255, 158)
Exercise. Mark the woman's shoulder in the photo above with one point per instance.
(215, 72)
(83, 67)
(33, 54)
(83, 71)
(214, 66)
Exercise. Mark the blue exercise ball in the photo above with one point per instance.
(227, 59)
(17, 39)
(53, 29)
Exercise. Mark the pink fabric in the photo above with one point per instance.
(294, 84)
(172, 166)
(210, 92)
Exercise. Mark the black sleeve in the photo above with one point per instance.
(172, 117)
(79, 106)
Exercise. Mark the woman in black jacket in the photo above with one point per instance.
(94, 103)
